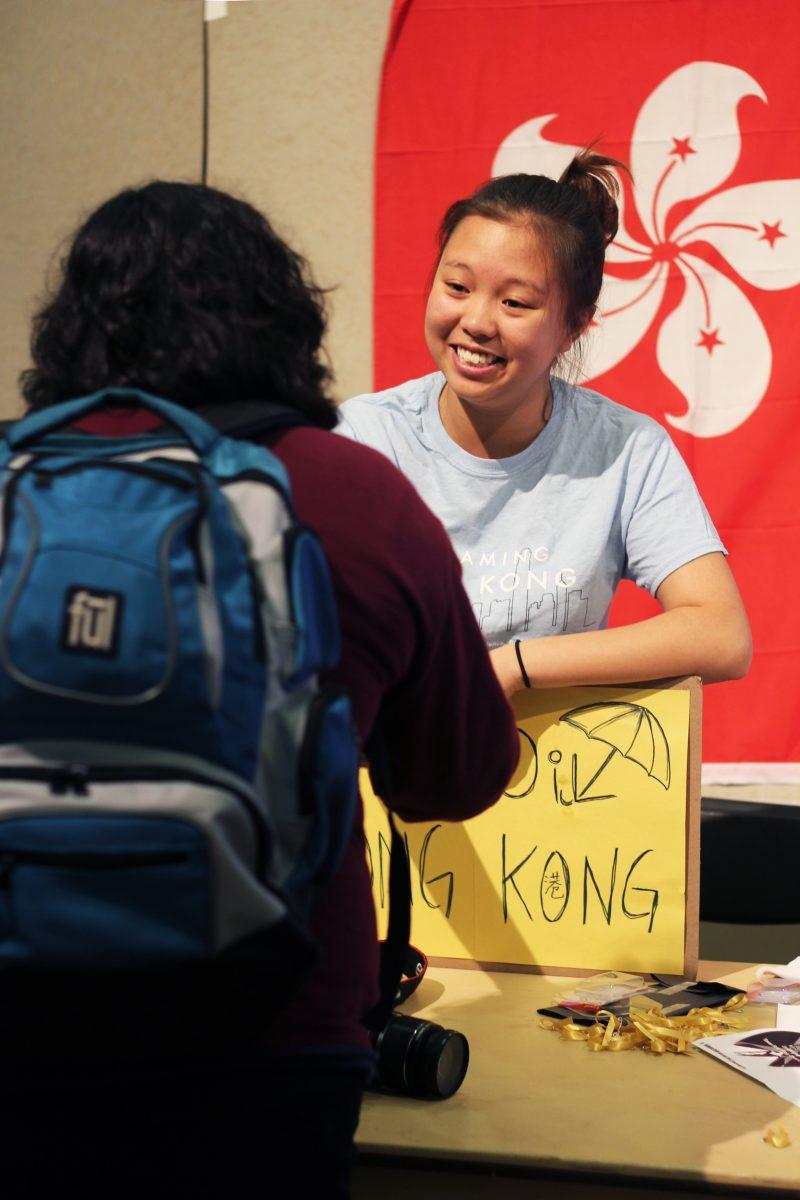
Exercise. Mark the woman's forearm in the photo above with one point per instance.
(684, 641)
(703, 631)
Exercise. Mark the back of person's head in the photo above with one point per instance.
(575, 218)
(183, 291)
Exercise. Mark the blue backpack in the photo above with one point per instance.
(175, 786)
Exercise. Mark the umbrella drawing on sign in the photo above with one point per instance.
(630, 730)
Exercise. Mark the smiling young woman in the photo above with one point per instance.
(494, 323)
(551, 493)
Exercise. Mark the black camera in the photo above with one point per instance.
(418, 1058)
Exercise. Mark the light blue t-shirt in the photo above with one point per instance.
(545, 536)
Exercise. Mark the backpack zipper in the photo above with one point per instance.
(76, 778)
(86, 860)
(161, 475)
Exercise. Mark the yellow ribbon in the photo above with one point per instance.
(651, 1030)
(777, 1137)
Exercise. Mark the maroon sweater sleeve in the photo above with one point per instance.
(414, 663)
(414, 659)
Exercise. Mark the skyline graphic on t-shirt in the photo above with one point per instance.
(506, 598)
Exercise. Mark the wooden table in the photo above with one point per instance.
(537, 1116)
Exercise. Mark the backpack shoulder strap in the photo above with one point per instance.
(394, 950)
(242, 419)
(245, 419)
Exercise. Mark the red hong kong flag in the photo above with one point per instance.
(700, 309)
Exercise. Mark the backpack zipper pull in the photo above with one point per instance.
(7, 864)
(73, 777)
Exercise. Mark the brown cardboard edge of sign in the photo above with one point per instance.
(691, 933)
(691, 945)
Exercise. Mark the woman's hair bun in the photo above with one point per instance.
(591, 174)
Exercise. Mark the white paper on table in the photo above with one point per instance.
(788, 1017)
(788, 971)
(770, 1056)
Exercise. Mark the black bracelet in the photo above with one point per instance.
(522, 670)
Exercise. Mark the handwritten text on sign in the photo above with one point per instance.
(582, 861)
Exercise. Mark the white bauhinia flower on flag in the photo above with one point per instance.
(686, 143)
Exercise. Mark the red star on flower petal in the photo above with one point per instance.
(682, 148)
(771, 233)
(709, 339)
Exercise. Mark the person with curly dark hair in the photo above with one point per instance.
(186, 292)
(189, 294)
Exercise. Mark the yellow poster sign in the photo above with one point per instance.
(581, 863)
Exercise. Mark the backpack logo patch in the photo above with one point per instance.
(91, 621)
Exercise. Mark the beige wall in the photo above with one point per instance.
(99, 94)
(294, 89)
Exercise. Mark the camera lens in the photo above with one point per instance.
(421, 1058)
